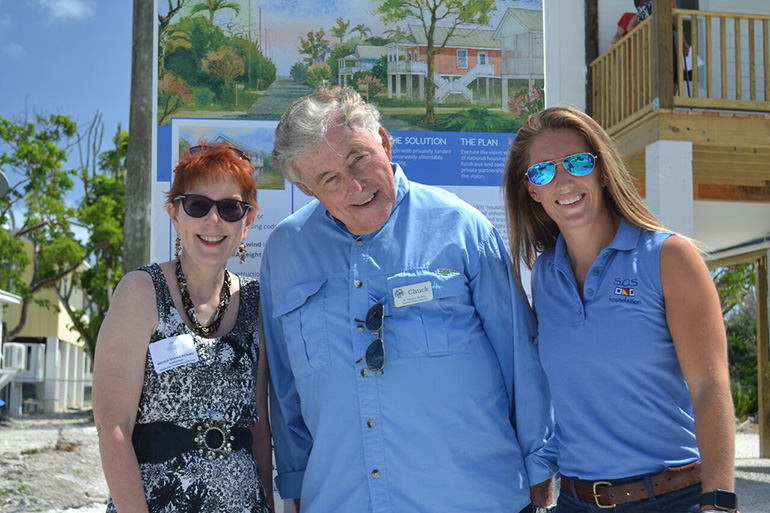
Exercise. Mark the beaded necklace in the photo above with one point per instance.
(224, 300)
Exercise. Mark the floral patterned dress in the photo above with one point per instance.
(644, 10)
(220, 386)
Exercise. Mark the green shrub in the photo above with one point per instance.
(203, 96)
(477, 119)
(736, 287)
(298, 72)
(744, 400)
(318, 74)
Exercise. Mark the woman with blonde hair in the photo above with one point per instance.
(630, 328)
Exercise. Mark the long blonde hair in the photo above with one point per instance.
(530, 229)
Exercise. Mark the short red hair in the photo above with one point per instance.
(213, 163)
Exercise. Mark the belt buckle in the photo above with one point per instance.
(596, 494)
(220, 428)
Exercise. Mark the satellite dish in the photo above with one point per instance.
(4, 187)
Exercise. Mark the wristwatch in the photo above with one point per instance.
(541, 509)
(721, 500)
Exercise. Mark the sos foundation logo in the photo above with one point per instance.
(625, 291)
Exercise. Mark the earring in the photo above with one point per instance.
(177, 246)
(242, 253)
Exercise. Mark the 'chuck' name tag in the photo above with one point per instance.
(173, 352)
(412, 294)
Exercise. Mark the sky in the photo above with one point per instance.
(66, 56)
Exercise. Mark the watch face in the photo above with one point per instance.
(726, 500)
(720, 499)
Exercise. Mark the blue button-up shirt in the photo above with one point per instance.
(460, 420)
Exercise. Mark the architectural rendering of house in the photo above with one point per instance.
(362, 59)
(468, 64)
(257, 159)
(476, 63)
(520, 34)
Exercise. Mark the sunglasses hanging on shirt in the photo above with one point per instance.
(375, 353)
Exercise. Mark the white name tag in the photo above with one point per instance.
(173, 352)
(412, 294)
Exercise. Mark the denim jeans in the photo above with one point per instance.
(685, 500)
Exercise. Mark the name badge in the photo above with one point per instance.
(412, 294)
(173, 352)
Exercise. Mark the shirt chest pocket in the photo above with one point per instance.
(428, 327)
(301, 309)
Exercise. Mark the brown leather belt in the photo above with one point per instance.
(607, 495)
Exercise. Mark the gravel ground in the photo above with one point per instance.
(50, 463)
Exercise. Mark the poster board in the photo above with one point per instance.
(227, 75)
(227, 71)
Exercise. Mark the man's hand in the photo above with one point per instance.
(542, 494)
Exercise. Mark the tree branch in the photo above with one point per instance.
(32, 228)
(12, 334)
(53, 279)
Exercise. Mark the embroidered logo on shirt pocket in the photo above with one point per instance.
(423, 328)
(302, 311)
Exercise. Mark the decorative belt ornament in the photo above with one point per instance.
(214, 439)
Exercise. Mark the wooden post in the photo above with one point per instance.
(763, 356)
(752, 63)
(738, 64)
(662, 62)
(694, 50)
(709, 60)
(592, 48)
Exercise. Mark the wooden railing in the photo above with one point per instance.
(732, 71)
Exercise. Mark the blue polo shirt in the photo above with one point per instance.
(461, 418)
(621, 404)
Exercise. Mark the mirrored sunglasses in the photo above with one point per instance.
(579, 164)
(230, 210)
(375, 353)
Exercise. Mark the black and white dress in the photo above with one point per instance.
(221, 385)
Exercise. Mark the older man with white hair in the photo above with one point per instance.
(403, 358)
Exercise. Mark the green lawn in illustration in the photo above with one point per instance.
(271, 180)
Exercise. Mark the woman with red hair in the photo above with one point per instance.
(180, 376)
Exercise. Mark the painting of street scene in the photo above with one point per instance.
(469, 65)
(253, 138)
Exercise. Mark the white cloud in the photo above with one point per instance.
(13, 50)
(64, 10)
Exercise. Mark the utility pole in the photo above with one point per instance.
(136, 230)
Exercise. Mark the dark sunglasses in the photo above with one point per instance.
(579, 164)
(230, 210)
(375, 353)
(203, 148)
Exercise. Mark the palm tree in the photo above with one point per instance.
(363, 30)
(396, 34)
(212, 6)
